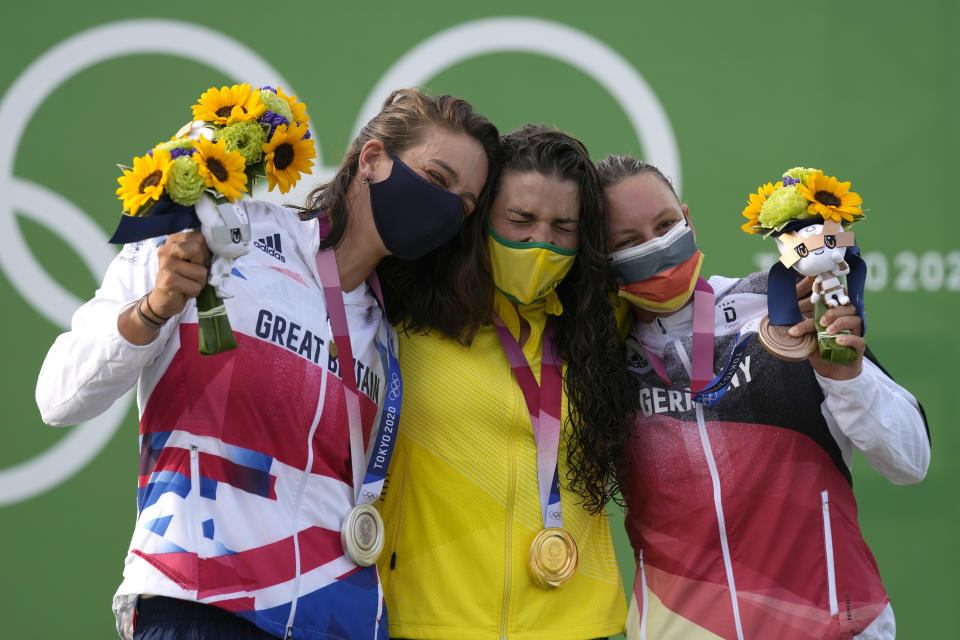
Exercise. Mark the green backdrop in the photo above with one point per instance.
(866, 90)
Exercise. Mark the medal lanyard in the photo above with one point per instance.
(543, 402)
(706, 388)
(367, 487)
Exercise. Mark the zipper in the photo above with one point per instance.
(195, 495)
(644, 603)
(296, 505)
(828, 545)
(721, 524)
(508, 527)
(717, 498)
(398, 519)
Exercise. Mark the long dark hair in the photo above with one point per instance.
(601, 396)
(599, 456)
(435, 290)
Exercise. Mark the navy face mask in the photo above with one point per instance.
(413, 216)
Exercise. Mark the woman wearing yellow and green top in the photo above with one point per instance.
(468, 498)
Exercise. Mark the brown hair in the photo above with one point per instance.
(404, 120)
(615, 168)
(438, 289)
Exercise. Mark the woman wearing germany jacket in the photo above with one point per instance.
(486, 538)
(740, 507)
(251, 461)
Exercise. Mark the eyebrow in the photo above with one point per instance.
(666, 211)
(455, 177)
(530, 214)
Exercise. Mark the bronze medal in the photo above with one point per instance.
(781, 344)
(553, 558)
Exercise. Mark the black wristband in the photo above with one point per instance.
(154, 313)
(149, 322)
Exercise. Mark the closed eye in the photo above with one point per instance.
(438, 179)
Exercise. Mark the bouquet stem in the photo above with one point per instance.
(830, 351)
(215, 334)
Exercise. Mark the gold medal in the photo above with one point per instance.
(333, 350)
(361, 534)
(553, 558)
(781, 344)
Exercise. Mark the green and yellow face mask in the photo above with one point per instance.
(527, 272)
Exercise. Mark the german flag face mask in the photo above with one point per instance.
(659, 275)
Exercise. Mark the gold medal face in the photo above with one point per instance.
(781, 344)
(361, 534)
(553, 558)
(333, 350)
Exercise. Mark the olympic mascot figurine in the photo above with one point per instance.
(808, 214)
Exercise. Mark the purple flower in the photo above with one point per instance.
(274, 120)
(268, 88)
(306, 136)
(176, 153)
(789, 180)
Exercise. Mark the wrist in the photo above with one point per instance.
(147, 316)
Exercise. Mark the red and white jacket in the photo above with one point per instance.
(245, 471)
(742, 516)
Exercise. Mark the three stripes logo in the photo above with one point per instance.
(270, 245)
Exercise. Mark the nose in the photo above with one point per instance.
(541, 233)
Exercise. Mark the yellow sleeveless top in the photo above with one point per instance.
(461, 505)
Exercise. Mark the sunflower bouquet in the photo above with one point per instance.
(809, 215)
(238, 137)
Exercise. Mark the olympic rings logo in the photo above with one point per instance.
(394, 386)
(216, 50)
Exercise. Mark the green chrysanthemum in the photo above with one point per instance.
(185, 184)
(784, 204)
(176, 143)
(801, 174)
(276, 104)
(246, 138)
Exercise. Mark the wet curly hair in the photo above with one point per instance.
(601, 395)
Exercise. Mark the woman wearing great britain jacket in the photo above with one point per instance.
(247, 464)
(741, 513)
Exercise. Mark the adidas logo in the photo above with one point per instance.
(270, 245)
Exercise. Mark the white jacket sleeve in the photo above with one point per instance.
(882, 420)
(92, 365)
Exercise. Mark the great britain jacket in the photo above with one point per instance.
(742, 516)
(245, 470)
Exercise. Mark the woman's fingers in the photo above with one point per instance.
(181, 273)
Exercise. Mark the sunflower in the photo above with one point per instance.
(221, 169)
(752, 210)
(145, 182)
(831, 198)
(298, 109)
(287, 156)
(227, 105)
